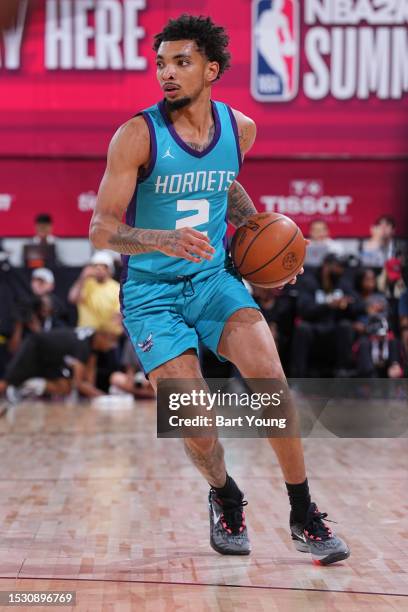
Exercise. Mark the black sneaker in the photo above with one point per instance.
(318, 539)
(228, 532)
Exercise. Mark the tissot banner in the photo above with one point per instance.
(350, 195)
(318, 76)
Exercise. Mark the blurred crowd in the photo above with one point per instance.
(347, 316)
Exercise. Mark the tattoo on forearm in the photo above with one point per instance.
(240, 205)
(133, 241)
(202, 147)
(243, 137)
(210, 464)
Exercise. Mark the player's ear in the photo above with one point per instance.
(213, 69)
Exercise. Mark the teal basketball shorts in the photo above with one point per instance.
(165, 318)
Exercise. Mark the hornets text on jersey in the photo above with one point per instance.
(183, 187)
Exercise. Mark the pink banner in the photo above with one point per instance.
(348, 194)
(319, 77)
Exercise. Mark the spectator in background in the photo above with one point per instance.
(8, 298)
(54, 311)
(96, 294)
(278, 308)
(43, 224)
(40, 311)
(41, 251)
(381, 246)
(55, 362)
(377, 350)
(390, 280)
(320, 243)
(403, 322)
(132, 380)
(326, 310)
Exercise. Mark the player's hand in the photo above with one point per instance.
(301, 271)
(293, 281)
(88, 272)
(187, 243)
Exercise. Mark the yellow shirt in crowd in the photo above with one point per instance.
(99, 305)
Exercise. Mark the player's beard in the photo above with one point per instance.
(178, 104)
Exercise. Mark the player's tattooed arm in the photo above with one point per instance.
(132, 241)
(187, 242)
(240, 205)
(128, 153)
(246, 131)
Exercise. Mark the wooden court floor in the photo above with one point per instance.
(91, 501)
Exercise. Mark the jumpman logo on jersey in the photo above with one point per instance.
(168, 154)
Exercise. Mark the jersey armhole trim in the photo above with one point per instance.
(153, 147)
(235, 130)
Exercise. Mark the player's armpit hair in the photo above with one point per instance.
(133, 241)
(240, 205)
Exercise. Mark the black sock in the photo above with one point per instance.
(299, 498)
(229, 491)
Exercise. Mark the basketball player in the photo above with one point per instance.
(173, 169)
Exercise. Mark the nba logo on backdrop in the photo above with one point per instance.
(275, 50)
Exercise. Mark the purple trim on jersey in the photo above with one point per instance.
(225, 239)
(181, 142)
(153, 145)
(130, 220)
(235, 129)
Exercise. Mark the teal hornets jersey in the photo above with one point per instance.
(183, 187)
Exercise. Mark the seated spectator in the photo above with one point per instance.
(326, 309)
(7, 310)
(54, 311)
(403, 323)
(40, 311)
(320, 243)
(278, 308)
(390, 280)
(41, 250)
(132, 380)
(43, 224)
(382, 245)
(96, 294)
(377, 350)
(56, 362)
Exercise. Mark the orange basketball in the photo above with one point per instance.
(269, 250)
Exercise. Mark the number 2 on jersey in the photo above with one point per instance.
(200, 216)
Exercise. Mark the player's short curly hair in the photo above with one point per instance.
(211, 40)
